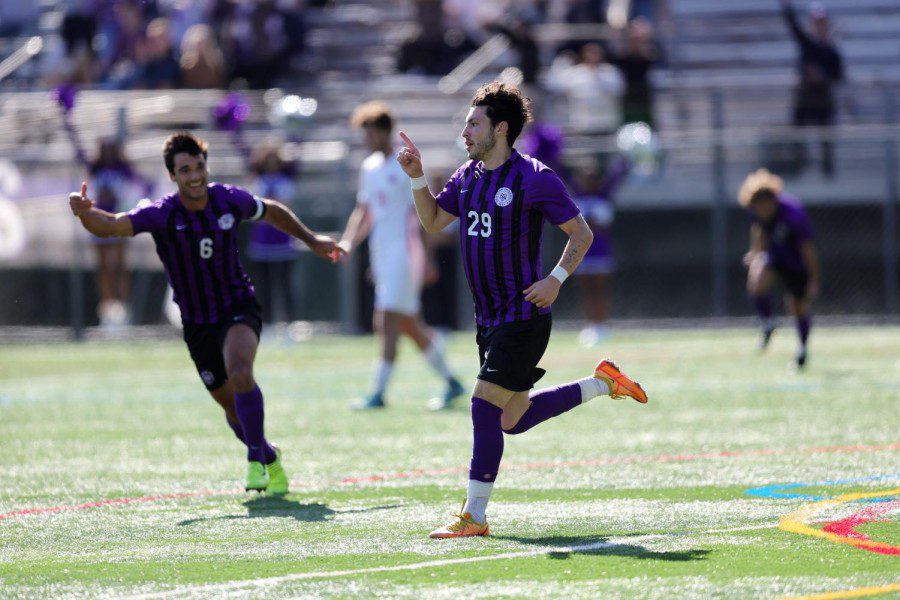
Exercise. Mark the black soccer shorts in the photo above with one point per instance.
(509, 352)
(206, 340)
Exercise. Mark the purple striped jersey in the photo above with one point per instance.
(501, 217)
(199, 250)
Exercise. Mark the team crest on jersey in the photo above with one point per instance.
(226, 221)
(503, 197)
(207, 377)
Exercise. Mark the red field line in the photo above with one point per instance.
(612, 460)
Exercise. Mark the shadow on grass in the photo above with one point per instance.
(279, 506)
(597, 545)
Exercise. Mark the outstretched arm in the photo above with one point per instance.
(544, 292)
(433, 217)
(283, 218)
(358, 226)
(99, 222)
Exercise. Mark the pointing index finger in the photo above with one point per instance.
(83, 190)
(407, 141)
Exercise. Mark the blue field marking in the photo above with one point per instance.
(775, 491)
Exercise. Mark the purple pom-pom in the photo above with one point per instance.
(230, 112)
(64, 94)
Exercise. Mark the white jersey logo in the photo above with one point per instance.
(207, 377)
(226, 221)
(503, 197)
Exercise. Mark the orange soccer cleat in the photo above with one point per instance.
(463, 526)
(620, 385)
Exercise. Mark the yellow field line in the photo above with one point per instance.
(796, 521)
(855, 593)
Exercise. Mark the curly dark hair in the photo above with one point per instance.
(182, 141)
(504, 103)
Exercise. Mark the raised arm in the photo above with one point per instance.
(790, 15)
(433, 217)
(283, 218)
(99, 222)
(544, 292)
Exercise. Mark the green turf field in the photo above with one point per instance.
(611, 500)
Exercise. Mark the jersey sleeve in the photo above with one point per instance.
(248, 206)
(802, 226)
(448, 198)
(148, 217)
(550, 196)
(362, 189)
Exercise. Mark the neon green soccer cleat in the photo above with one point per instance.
(257, 478)
(278, 479)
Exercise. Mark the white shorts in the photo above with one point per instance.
(398, 288)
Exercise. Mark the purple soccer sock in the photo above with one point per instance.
(487, 449)
(763, 306)
(237, 429)
(804, 324)
(249, 409)
(546, 404)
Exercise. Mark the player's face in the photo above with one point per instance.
(764, 209)
(478, 133)
(190, 176)
(376, 138)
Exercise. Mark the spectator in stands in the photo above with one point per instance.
(157, 65)
(202, 61)
(821, 68)
(594, 89)
(260, 39)
(518, 30)
(270, 248)
(121, 31)
(635, 61)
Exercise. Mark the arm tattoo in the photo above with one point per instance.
(576, 248)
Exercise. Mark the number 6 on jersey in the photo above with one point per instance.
(206, 248)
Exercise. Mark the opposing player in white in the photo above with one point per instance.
(385, 213)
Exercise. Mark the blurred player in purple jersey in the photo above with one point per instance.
(501, 198)
(195, 231)
(271, 248)
(384, 213)
(781, 250)
(595, 199)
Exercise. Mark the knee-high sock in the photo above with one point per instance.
(383, 370)
(548, 403)
(763, 306)
(249, 409)
(434, 354)
(487, 450)
(237, 428)
(804, 324)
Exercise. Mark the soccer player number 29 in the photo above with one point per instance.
(485, 220)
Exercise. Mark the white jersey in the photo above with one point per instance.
(395, 235)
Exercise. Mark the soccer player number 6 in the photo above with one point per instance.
(485, 219)
(206, 248)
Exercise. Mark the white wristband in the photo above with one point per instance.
(560, 273)
(418, 183)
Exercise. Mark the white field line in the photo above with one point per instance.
(270, 581)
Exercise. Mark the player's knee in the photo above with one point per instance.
(241, 377)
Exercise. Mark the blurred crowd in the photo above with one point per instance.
(150, 44)
(605, 77)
